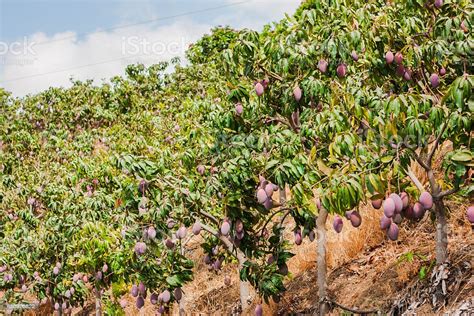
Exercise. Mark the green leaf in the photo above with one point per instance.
(422, 273)
(173, 281)
(386, 159)
(462, 156)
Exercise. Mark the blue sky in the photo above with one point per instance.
(96, 39)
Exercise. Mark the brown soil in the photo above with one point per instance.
(366, 272)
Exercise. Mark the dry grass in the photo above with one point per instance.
(365, 270)
(373, 278)
(352, 241)
(207, 293)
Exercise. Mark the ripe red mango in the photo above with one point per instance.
(398, 202)
(323, 66)
(434, 80)
(377, 204)
(392, 232)
(259, 89)
(385, 222)
(297, 93)
(470, 214)
(389, 207)
(356, 219)
(337, 224)
(225, 228)
(341, 70)
(389, 57)
(426, 200)
(398, 58)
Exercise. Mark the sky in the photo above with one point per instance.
(45, 43)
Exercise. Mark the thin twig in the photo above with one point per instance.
(270, 218)
(278, 120)
(271, 73)
(350, 309)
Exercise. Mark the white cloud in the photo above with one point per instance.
(102, 55)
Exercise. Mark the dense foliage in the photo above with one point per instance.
(334, 103)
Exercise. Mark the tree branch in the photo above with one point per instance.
(456, 188)
(426, 82)
(418, 159)
(210, 230)
(284, 216)
(442, 194)
(273, 215)
(277, 120)
(434, 186)
(415, 180)
(435, 145)
(210, 217)
(271, 73)
(227, 243)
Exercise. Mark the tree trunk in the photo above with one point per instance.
(181, 307)
(282, 196)
(441, 222)
(98, 307)
(322, 267)
(244, 290)
(244, 286)
(181, 301)
(441, 233)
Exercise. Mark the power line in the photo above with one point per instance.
(113, 28)
(170, 17)
(68, 69)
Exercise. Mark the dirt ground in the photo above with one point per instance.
(366, 273)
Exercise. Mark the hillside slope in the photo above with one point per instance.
(158, 183)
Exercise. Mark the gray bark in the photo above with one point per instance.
(441, 221)
(282, 196)
(244, 290)
(98, 307)
(241, 258)
(322, 266)
(181, 307)
(441, 233)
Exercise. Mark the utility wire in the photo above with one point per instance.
(71, 68)
(170, 17)
(114, 28)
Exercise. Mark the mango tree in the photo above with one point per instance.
(330, 76)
